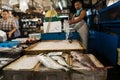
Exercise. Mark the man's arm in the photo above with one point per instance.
(13, 30)
(82, 15)
(73, 17)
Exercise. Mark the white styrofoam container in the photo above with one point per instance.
(37, 36)
(3, 36)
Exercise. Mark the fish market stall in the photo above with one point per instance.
(72, 65)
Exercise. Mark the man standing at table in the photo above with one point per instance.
(78, 23)
(7, 24)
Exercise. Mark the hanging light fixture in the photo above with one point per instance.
(60, 5)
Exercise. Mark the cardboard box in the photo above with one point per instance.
(118, 56)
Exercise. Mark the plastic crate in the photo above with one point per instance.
(47, 19)
(106, 14)
(9, 44)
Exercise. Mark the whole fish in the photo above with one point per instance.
(54, 53)
(60, 60)
(50, 63)
(76, 64)
(83, 59)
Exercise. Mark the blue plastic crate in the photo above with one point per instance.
(110, 14)
(9, 44)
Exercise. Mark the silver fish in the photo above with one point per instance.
(54, 53)
(50, 63)
(60, 60)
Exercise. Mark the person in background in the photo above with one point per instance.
(7, 24)
(78, 23)
(39, 24)
(16, 19)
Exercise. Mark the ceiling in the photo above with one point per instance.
(37, 5)
(34, 5)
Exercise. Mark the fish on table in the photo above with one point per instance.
(50, 63)
(60, 60)
(54, 53)
(83, 60)
(77, 65)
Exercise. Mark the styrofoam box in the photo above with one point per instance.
(37, 36)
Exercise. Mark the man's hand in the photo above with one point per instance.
(70, 22)
(9, 34)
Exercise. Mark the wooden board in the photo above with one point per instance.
(24, 63)
(55, 45)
